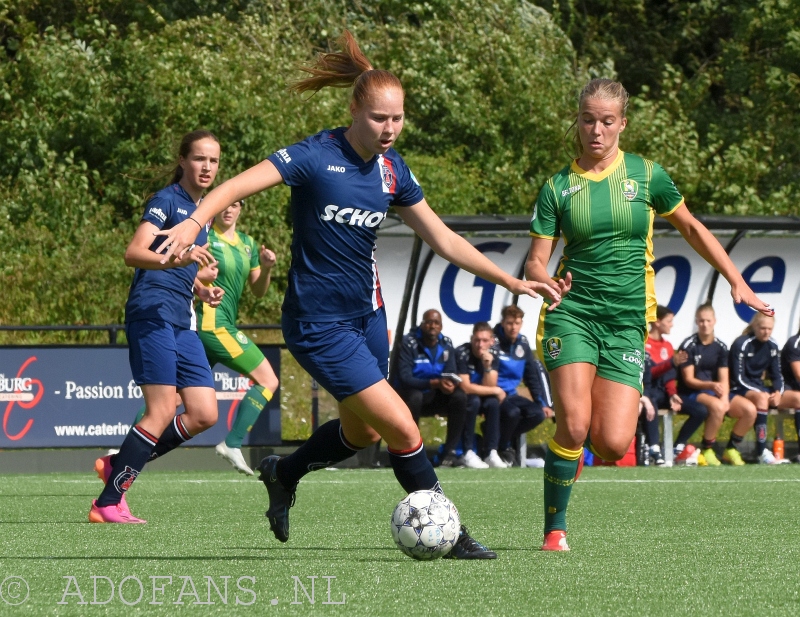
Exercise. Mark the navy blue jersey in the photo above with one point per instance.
(706, 359)
(338, 202)
(468, 364)
(517, 364)
(417, 363)
(790, 353)
(165, 294)
(751, 360)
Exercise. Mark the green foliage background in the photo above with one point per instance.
(97, 93)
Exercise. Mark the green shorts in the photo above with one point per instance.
(231, 348)
(617, 351)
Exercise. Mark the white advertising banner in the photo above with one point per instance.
(682, 283)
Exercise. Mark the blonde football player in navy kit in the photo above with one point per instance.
(343, 181)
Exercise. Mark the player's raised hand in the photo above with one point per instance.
(196, 254)
(178, 239)
(266, 257)
(210, 295)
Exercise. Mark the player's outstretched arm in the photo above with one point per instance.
(536, 266)
(455, 249)
(256, 179)
(709, 248)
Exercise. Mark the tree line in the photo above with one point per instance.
(97, 93)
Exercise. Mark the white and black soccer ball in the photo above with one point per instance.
(425, 525)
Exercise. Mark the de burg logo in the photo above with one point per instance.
(23, 391)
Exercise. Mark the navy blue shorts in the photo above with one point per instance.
(693, 396)
(742, 391)
(344, 357)
(161, 353)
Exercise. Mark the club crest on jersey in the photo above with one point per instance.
(247, 251)
(553, 347)
(124, 479)
(241, 338)
(519, 351)
(630, 188)
(387, 175)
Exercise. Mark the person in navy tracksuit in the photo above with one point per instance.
(790, 369)
(425, 355)
(752, 357)
(518, 414)
(342, 182)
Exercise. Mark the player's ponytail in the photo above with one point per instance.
(348, 67)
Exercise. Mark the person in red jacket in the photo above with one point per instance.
(664, 375)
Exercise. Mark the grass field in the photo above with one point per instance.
(681, 541)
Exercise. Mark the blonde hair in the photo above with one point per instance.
(345, 68)
(604, 89)
(706, 306)
(754, 321)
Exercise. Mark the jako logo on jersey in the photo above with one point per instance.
(336, 168)
(387, 175)
(284, 155)
(629, 189)
(124, 480)
(182, 211)
(571, 190)
(159, 214)
(353, 216)
(553, 347)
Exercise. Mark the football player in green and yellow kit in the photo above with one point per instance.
(603, 204)
(241, 263)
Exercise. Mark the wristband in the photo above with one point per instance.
(195, 220)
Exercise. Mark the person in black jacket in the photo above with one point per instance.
(790, 369)
(428, 382)
(518, 414)
(753, 356)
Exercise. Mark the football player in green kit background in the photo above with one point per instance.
(241, 263)
(603, 204)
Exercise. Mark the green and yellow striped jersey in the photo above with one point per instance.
(606, 221)
(236, 260)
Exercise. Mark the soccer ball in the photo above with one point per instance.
(425, 525)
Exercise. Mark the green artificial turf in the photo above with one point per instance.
(682, 541)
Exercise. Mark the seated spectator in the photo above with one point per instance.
(427, 380)
(703, 385)
(652, 399)
(518, 414)
(477, 364)
(753, 356)
(790, 369)
(663, 375)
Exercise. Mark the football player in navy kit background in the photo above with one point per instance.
(166, 354)
(343, 181)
